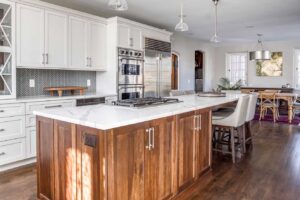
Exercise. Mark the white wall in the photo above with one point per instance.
(287, 47)
(185, 47)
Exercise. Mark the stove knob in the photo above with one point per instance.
(131, 53)
(136, 54)
(122, 52)
(126, 52)
(140, 54)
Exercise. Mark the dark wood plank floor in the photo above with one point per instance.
(270, 171)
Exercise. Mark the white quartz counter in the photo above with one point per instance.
(106, 117)
(53, 98)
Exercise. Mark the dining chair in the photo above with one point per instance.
(247, 91)
(228, 126)
(296, 106)
(268, 101)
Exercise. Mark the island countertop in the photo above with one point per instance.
(106, 117)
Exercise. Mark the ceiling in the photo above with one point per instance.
(239, 20)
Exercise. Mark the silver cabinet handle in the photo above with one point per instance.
(55, 106)
(152, 132)
(2, 153)
(1, 130)
(87, 61)
(47, 58)
(90, 62)
(1, 111)
(131, 42)
(195, 122)
(149, 139)
(43, 62)
(200, 122)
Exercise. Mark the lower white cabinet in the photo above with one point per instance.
(12, 128)
(12, 151)
(30, 142)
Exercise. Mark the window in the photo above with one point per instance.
(237, 67)
(297, 67)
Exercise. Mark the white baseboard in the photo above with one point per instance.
(17, 164)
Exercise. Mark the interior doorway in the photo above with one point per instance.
(199, 71)
(174, 75)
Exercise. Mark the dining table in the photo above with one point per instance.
(290, 98)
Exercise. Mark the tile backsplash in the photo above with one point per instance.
(49, 78)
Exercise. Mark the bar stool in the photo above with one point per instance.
(247, 136)
(229, 124)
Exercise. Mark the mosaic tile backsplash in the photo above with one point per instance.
(49, 78)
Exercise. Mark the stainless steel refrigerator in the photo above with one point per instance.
(157, 68)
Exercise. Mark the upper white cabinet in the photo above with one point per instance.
(78, 55)
(97, 45)
(87, 44)
(56, 33)
(130, 37)
(52, 39)
(30, 36)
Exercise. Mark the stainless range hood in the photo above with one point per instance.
(260, 54)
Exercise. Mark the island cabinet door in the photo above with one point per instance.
(126, 162)
(203, 142)
(45, 158)
(160, 159)
(186, 130)
(64, 152)
(91, 167)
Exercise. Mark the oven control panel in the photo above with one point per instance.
(131, 53)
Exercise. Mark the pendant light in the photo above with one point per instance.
(181, 26)
(119, 5)
(215, 38)
(260, 53)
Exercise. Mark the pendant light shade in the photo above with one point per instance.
(260, 53)
(119, 5)
(215, 38)
(181, 26)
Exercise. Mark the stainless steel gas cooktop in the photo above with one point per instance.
(145, 102)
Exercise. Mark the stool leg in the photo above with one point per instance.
(232, 144)
(244, 138)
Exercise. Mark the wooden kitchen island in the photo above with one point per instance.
(151, 159)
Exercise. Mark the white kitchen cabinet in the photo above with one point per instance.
(97, 46)
(56, 33)
(30, 36)
(129, 37)
(12, 150)
(78, 44)
(12, 128)
(30, 142)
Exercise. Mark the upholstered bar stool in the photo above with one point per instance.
(230, 124)
(247, 136)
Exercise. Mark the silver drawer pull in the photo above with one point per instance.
(1, 130)
(2, 153)
(148, 130)
(56, 106)
(1, 111)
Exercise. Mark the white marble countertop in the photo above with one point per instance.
(53, 98)
(106, 117)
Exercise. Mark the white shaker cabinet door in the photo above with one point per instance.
(56, 30)
(123, 36)
(78, 34)
(30, 36)
(97, 46)
(136, 40)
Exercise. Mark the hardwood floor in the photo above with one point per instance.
(270, 171)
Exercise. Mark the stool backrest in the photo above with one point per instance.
(251, 107)
(240, 112)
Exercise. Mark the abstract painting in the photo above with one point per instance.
(271, 67)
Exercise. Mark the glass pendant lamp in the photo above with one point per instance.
(181, 26)
(215, 38)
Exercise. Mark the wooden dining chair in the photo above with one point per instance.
(296, 106)
(268, 101)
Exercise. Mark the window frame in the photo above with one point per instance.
(228, 65)
(296, 69)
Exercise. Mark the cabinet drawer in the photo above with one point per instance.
(30, 107)
(30, 120)
(12, 128)
(30, 142)
(10, 110)
(12, 151)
